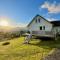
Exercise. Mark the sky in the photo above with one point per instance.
(21, 12)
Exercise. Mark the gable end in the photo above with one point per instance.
(34, 19)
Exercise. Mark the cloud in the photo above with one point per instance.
(51, 19)
(51, 7)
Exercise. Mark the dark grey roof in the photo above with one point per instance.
(56, 23)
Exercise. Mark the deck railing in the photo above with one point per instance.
(42, 33)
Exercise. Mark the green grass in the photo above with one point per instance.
(16, 50)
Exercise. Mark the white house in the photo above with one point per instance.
(39, 26)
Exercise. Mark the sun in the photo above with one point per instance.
(4, 23)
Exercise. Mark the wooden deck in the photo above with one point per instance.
(43, 33)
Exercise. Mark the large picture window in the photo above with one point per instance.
(42, 27)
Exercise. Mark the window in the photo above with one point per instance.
(36, 20)
(43, 27)
(39, 20)
(40, 27)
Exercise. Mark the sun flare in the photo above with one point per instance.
(4, 23)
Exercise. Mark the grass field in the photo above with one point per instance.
(36, 50)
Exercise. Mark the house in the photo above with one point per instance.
(56, 26)
(39, 26)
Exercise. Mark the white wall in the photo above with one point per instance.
(36, 26)
(57, 29)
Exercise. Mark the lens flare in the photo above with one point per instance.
(4, 23)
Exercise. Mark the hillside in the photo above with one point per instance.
(10, 28)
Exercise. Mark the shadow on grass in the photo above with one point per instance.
(44, 38)
(6, 43)
(47, 43)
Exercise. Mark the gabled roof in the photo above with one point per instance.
(56, 23)
(36, 17)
